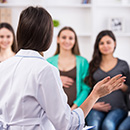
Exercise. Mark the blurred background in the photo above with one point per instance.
(86, 17)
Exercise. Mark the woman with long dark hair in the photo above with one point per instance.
(8, 46)
(108, 111)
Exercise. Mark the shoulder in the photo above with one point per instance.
(53, 58)
(81, 59)
(122, 62)
(46, 67)
(123, 65)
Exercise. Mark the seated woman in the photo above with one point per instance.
(110, 110)
(73, 68)
(7, 41)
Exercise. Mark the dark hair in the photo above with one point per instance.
(97, 57)
(35, 29)
(75, 49)
(10, 28)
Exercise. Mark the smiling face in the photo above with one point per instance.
(6, 38)
(66, 40)
(107, 45)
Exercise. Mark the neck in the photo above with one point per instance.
(65, 54)
(41, 53)
(6, 53)
(107, 58)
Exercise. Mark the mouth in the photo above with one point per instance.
(4, 44)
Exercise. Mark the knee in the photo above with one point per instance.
(108, 125)
(94, 122)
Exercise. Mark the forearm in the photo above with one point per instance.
(89, 103)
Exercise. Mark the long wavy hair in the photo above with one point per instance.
(75, 49)
(97, 56)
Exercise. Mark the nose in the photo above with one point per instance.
(105, 44)
(67, 40)
(4, 39)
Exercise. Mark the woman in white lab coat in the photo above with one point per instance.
(31, 93)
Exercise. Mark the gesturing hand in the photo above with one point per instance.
(108, 85)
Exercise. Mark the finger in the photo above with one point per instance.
(107, 105)
(115, 78)
(70, 80)
(118, 82)
(105, 80)
(66, 86)
(119, 86)
(101, 103)
(68, 83)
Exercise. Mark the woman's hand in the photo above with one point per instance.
(102, 106)
(66, 81)
(123, 87)
(102, 88)
(108, 85)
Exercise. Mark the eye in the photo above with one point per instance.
(71, 38)
(8, 36)
(101, 43)
(108, 42)
(63, 37)
(1, 36)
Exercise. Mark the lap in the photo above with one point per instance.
(98, 118)
(125, 125)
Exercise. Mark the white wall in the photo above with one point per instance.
(86, 21)
(107, 9)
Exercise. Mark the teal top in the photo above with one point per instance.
(81, 72)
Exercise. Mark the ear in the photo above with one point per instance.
(57, 40)
(114, 45)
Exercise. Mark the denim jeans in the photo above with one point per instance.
(125, 125)
(105, 121)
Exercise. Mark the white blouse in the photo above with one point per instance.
(32, 97)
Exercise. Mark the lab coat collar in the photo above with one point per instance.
(28, 52)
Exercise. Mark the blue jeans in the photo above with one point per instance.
(105, 121)
(125, 125)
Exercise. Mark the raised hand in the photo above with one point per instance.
(101, 89)
(108, 85)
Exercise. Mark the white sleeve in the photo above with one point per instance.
(54, 101)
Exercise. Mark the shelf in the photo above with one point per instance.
(122, 34)
(14, 5)
(119, 5)
(40, 4)
(71, 5)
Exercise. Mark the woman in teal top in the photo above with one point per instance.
(66, 58)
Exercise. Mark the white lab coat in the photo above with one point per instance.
(31, 95)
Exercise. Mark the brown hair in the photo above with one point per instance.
(35, 29)
(75, 49)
